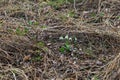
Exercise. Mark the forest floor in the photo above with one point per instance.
(59, 40)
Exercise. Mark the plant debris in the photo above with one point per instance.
(59, 40)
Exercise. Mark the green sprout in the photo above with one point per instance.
(67, 45)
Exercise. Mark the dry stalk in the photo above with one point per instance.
(112, 70)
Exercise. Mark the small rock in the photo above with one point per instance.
(49, 44)
(98, 62)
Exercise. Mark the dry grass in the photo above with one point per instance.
(112, 70)
(95, 24)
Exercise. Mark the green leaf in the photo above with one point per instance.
(93, 14)
(101, 14)
(67, 47)
(62, 49)
(44, 27)
(75, 39)
(30, 22)
(71, 14)
(37, 58)
(119, 17)
(95, 78)
(19, 32)
(26, 29)
(40, 44)
(36, 23)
